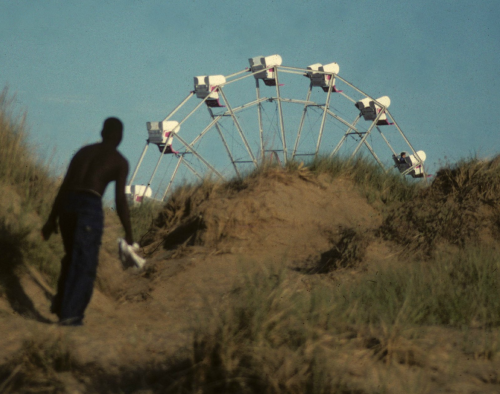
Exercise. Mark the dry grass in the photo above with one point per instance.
(182, 222)
(376, 184)
(21, 169)
(372, 335)
(279, 332)
(460, 207)
(142, 217)
(36, 367)
(429, 324)
(27, 193)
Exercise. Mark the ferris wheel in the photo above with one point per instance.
(229, 125)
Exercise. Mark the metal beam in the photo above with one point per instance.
(138, 163)
(386, 141)
(259, 115)
(225, 143)
(238, 127)
(180, 105)
(282, 124)
(190, 168)
(342, 140)
(327, 104)
(236, 73)
(367, 133)
(172, 177)
(301, 125)
(193, 151)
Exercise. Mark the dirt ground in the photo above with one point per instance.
(143, 318)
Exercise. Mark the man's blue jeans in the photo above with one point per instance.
(81, 221)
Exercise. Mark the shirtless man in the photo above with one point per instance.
(78, 207)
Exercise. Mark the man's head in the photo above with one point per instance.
(403, 154)
(112, 131)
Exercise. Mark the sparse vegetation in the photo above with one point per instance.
(450, 290)
(460, 207)
(376, 184)
(142, 217)
(278, 336)
(423, 316)
(36, 367)
(27, 192)
(21, 169)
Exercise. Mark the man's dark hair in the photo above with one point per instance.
(403, 153)
(112, 130)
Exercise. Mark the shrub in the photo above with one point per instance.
(460, 206)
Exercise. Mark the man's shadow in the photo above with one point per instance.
(10, 262)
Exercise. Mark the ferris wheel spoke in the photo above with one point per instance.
(139, 163)
(194, 152)
(301, 125)
(179, 161)
(238, 127)
(329, 94)
(225, 144)
(280, 110)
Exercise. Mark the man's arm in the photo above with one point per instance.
(121, 202)
(50, 225)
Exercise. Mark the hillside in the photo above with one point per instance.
(327, 278)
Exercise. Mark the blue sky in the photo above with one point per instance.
(72, 64)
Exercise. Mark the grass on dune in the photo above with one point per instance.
(277, 336)
(375, 183)
(28, 190)
(461, 206)
(21, 167)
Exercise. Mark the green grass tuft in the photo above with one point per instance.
(376, 184)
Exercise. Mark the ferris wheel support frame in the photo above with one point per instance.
(352, 129)
(220, 116)
(238, 127)
(307, 104)
(367, 133)
(259, 117)
(139, 163)
(302, 119)
(280, 110)
(172, 177)
(189, 147)
(194, 152)
(347, 133)
(217, 126)
(147, 141)
(386, 141)
(357, 132)
(186, 163)
(215, 120)
(179, 106)
(330, 86)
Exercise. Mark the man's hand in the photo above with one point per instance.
(129, 240)
(49, 228)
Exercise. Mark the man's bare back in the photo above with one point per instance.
(94, 167)
(91, 170)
